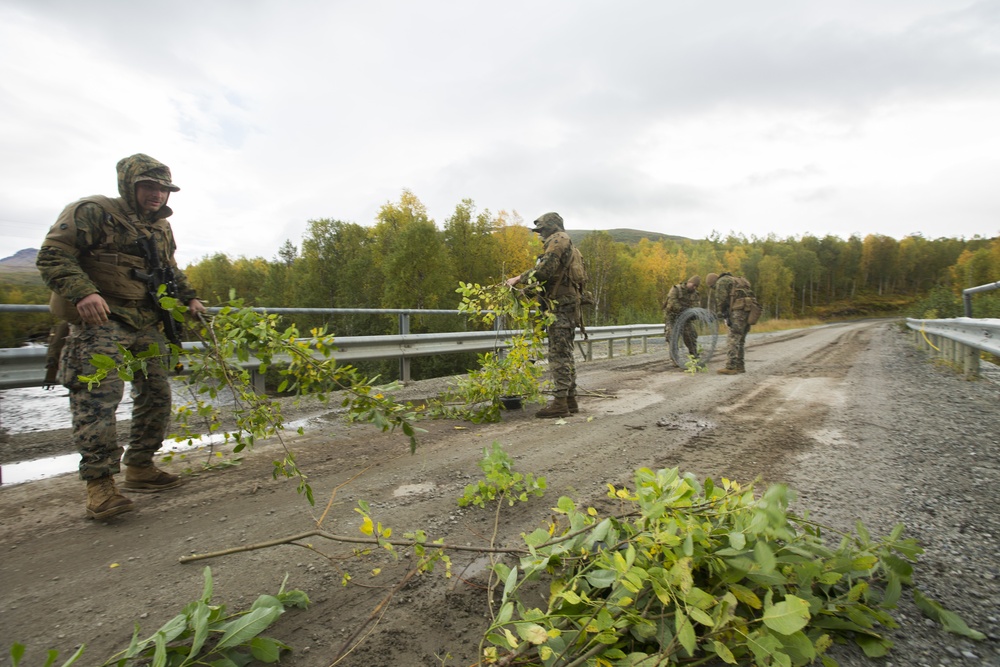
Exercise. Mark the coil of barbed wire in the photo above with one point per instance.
(706, 326)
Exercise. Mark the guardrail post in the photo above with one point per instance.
(257, 380)
(611, 348)
(404, 361)
(628, 346)
(645, 344)
(590, 350)
(971, 361)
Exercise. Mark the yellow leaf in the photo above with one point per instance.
(459, 428)
(376, 571)
(590, 418)
(366, 526)
(115, 565)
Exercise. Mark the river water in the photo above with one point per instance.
(35, 410)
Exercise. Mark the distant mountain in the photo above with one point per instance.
(19, 269)
(19, 261)
(627, 236)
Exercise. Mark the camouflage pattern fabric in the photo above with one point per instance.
(678, 300)
(563, 298)
(93, 411)
(738, 327)
(85, 229)
(561, 363)
(738, 330)
(99, 230)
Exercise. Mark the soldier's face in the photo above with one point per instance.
(692, 287)
(150, 197)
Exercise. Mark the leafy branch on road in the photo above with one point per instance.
(203, 634)
(510, 370)
(231, 340)
(699, 571)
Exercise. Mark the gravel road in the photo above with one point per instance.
(851, 416)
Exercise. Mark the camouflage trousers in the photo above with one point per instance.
(737, 339)
(688, 335)
(560, 334)
(93, 411)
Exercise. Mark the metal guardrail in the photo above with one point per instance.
(958, 340)
(967, 295)
(25, 366)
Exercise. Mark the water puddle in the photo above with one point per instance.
(37, 469)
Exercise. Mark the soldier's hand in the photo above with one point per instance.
(93, 309)
(513, 281)
(196, 307)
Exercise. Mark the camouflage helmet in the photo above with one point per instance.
(548, 224)
(711, 279)
(140, 167)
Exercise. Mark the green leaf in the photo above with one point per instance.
(206, 593)
(764, 557)
(537, 538)
(601, 578)
(685, 633)
(509, 584)
(951, 621)
(737, 541)
(266, 650)
(874, 647)
(248, 626)
(198, 620)
(787, 616)
(745, 595)
(73, 658)
(16, 653)
(723, 652)
(103, 362)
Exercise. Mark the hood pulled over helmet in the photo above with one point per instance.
(549, 224)
(140, 167)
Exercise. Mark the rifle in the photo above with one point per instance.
(160, 273)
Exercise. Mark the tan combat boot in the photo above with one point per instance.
(571, 404)
(103, 499)
(149, 479)
(557, 408)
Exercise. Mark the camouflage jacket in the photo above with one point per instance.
(680, 299)
(723, 292)
(551, 268)
(98, 232)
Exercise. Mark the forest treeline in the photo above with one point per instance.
(405, 260)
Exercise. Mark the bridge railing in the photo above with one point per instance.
(958, 340)
(25, 366)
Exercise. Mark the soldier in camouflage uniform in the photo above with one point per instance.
(736, 320)
(681, 297)
(552, 270)
(88, 260)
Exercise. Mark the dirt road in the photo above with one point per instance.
(851, 416)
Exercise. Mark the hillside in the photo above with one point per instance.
(19, 268)
(626, 236)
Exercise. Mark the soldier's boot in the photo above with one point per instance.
(149, 479)
(103, 499)
(729, 371)
(557, 408)
(571, 404)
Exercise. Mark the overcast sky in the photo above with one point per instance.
(773, 116)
